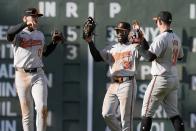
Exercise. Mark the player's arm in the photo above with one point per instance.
(88, 32)
(57, 37)
(94, 52)
(11, 33)
(48, 49)
(144, 52)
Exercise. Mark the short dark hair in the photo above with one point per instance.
(165, 16)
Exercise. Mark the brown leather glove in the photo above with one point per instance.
(57, 37)
(136, 35)
(88, 28)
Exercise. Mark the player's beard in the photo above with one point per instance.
(122, 39)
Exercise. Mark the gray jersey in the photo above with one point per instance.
(28, 47)
(167, 48)
(122, 59)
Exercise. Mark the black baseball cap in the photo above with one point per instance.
(165, 16)
(122, 26)
(32, 12)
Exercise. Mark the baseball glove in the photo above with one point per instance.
(136, 35)
(57, 36)
(88, 27)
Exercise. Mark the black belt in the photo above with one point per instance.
(121, 79)
(29, 70)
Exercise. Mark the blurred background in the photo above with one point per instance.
(76, 84)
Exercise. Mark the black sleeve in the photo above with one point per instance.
(143, 51)
(15, 30)
(145, 45)
(94, 52)
(49, 49)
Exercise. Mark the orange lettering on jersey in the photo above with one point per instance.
(118, 56)
(127, 64)
(29, 43)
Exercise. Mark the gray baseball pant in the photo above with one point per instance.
(125, 93)
(162, 90)
(32, 88)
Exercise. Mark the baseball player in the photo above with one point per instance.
(30, 80)
(122, 58)
(164, 52)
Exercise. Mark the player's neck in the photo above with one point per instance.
(164, 28)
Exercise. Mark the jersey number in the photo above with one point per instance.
(39, 52)
(175, 51)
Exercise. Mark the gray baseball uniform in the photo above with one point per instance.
(31, 87)
(164, 52)
(164, 84)
(122, 60)
(30, 80)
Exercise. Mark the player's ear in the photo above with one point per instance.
(24, 19)
(160, 22)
